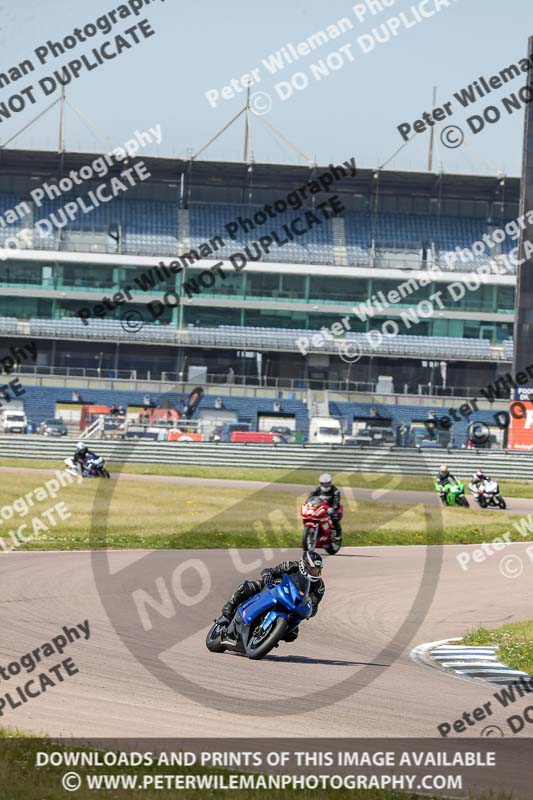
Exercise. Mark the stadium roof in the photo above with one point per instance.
(240, 178)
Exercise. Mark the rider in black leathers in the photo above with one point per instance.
(310, 565)
(82, 454)
(331, 494)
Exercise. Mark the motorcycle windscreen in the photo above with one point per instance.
(300, 586)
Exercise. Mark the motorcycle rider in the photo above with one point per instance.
(331, 494)
(310, 565)
(81, 456)
(478, 478)
(444, 476)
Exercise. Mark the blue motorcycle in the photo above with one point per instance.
(263, 620)
(95, 468)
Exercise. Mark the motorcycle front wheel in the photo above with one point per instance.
(465, 503)
(262, 642)
(308, 538)
(502, 503)
(213, 639)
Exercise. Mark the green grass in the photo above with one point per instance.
(133, 514)
(20, 779)
(514, 642)
(307, 477)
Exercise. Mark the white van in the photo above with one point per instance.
(325, 430)
(13, 422)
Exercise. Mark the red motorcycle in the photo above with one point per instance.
(319, 530)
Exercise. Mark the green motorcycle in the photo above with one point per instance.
(453, 494)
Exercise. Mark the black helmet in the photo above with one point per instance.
(311, 565)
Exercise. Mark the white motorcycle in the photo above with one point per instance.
(93, 468)
(487, 494)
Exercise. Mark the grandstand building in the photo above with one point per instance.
(260, 319)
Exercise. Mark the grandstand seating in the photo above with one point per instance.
(8, 200)
(149, 227)
(233, 336)
(207, 221)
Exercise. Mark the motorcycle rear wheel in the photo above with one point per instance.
(267, 643)
(308, 538)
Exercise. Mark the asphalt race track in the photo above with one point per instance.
(349, 674)
(303, 686)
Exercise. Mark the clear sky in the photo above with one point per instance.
(354, 111)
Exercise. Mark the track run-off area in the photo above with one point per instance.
(144, 669)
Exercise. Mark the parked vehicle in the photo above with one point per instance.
(227, 429)
(350, 441)
(374, 436)
(325, 430)
(263, 620)
(52, 427)
(257, 437)
(453, 494)
(13, 421)
(319, 530)
(487, 494)
(282, 434)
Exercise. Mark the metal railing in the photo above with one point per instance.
(77, 372)
(501, 463)
(161, 382)
(403, 255)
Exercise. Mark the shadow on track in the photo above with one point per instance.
(328, 661)
(352, 555)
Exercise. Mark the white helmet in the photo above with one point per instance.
(325, 481)
(80, 446)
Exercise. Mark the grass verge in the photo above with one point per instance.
(130, 514)
(305, 477)
(514, 642)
